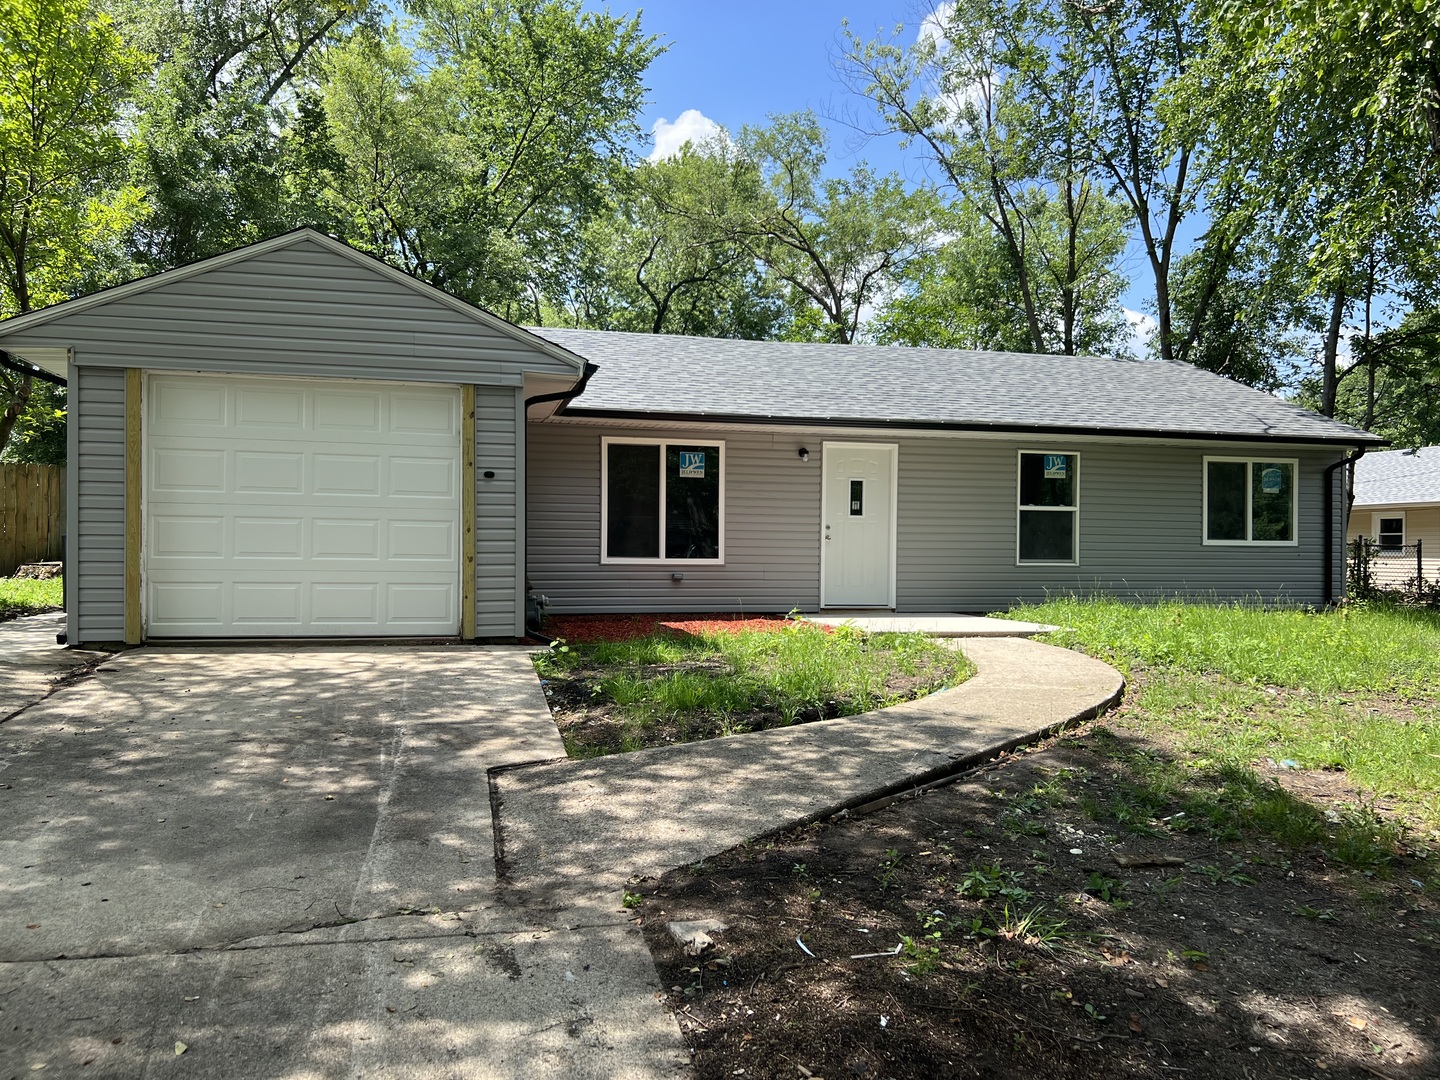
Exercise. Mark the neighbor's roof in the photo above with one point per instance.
(668, 376)
(1398, 478)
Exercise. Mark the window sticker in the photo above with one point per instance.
(1055, 466)
(1272, 480)
(692, 464)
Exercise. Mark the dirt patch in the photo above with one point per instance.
(1028, 951)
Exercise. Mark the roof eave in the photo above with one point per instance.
(1357, 440)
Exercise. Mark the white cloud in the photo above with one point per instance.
(1142, 326)
(690, 126)
(957, 101)
(932, 27)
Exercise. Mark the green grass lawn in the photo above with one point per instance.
(665, 687)
(24, 596)
(1352, 690)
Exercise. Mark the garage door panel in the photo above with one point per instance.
(261, 472)
(423, 478)
(346, 474)
(187, 537)
(304, 509)
(345, 602)
(409, 605)
(347, 412)
(180, 403)
(272, 603)
(345, 539)
(411, 414)
(189, 470)
(424, 541)
(271, 409)
(267, 538)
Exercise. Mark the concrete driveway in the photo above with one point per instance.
(254, 862)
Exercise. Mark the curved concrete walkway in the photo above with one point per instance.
(570, 834)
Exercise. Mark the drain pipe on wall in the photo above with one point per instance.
(1330, 521)
(562, 396)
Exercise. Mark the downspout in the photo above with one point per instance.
(562, 396)
(1330, 521)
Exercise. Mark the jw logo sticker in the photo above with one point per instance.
(1054, 466)
(692, 463)
(1272, 481)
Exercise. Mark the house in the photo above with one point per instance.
(294, 439)
(1397, 507)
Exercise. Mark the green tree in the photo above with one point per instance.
(840, 244)
(667, 259)
(966, 294)
(217, 117)
(39, 433)
(475, 157)
(992, 92)
(65, 75)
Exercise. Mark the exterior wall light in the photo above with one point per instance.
(804, 454)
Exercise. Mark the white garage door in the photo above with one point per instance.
(290, 507)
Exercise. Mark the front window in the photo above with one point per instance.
(1049, 507)
(661, 501)
(1249, 501)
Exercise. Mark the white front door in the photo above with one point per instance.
(858, 541)
(299, 507)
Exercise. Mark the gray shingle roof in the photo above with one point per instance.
(1398, 476)
(866, 384)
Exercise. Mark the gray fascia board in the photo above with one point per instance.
(901, 426)
(65, 308)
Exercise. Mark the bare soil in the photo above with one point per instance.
(1248, 959)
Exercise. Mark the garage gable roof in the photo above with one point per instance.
(66, 308)
(694, 378)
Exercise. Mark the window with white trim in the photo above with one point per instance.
(1390, 529)
(1250, 501)
(1048, 512)
(662, 501)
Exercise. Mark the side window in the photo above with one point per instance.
(1390, 530)
(1049, 507)
(1249, 502)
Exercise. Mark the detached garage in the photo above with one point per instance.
(292, 440)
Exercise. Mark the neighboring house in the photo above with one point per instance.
(1397, 507)
(294, 439)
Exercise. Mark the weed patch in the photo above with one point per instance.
(612, 696)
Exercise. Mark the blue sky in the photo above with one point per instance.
(736, 62)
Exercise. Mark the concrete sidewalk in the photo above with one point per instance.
(31, 662)
(282, 862)
(573, 833)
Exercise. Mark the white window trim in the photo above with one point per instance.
(678, 440)
(1375, 524)
(1019, 506)
(1294, 540)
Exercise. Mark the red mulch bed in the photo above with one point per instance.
(583, 628)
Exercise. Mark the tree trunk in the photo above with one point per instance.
(19, 399)
(1330, 377)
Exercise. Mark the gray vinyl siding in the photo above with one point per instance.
(300, 310)
(498, 610)
(96, 578)
(772, 509)
(1140, 527)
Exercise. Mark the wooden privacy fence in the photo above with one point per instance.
(32, 514)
